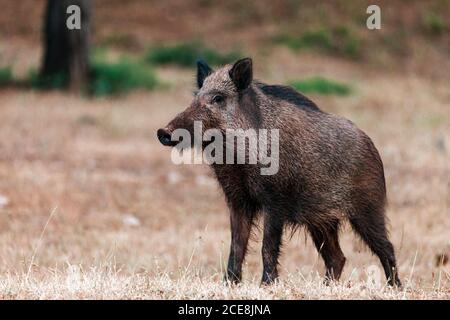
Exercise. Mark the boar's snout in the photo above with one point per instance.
(165, 138)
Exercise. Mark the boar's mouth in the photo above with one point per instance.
(165, 138)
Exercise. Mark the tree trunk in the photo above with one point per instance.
(66, 51)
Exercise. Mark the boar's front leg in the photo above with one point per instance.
(241, 224)
(273, 231)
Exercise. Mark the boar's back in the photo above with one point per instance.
(288, 94)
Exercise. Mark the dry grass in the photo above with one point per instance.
(127, 223)
(107, 283)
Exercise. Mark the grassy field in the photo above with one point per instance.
(94, 208)
(91, 205)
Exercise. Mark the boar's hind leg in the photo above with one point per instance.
(273, 231)
(327, 243)
(241, 224)
(370, 225)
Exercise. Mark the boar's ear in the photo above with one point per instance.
(242, 73)
(203, 70)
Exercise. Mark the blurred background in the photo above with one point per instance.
(90, 202)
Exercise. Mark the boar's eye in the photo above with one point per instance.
(218, 99)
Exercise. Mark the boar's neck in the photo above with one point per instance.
(234, 179)
(249, 104)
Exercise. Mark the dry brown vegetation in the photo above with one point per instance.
(92, 207)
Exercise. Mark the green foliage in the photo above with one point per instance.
(119, 77)
(339, 40)
(186, 54)
(320, 85)
(433, 24)
(319, 38)
(106, 78)
(346, 42)
(5, 76)
(36, 81)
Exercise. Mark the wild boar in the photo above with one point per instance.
(329, 170)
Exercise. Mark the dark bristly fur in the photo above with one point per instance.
(289, 94)
(329, 171)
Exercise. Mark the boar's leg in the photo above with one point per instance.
(273, 231)
(371, 227)
(241, 225)
(327, 244)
